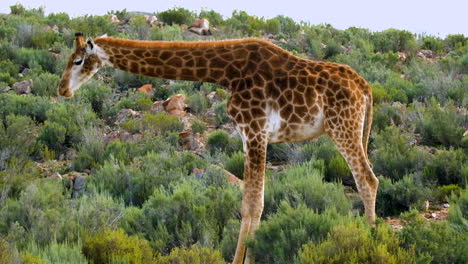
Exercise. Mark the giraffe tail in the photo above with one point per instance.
(367, 120)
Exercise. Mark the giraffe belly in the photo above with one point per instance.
(279, 130)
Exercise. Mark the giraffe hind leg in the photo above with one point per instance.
(352, 150)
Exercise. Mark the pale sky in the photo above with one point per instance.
(433, 17)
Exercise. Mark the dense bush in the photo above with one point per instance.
(45, 84)
(98, 95)
(396, 197)
(447, 167)
(177, 15)
(279, 238)
(54, 253)
(393, 157)
(351, 243)
(303, 184)
(222, 116)
(32, 106)
(166, 33)
(114, 245)
(220, 140)
(235, 164)
(437, 242)
(192, 255)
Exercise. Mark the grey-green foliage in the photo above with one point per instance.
(45, 84)
(189, 213)
(17, 139)
(135, 184)
(32, 106)
(394, 157)
(437, 242)
(304, 184)
(280, 237)
(395, 197)
(56, 252)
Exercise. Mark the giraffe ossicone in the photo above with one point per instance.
(275, 97)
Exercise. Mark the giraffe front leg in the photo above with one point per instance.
(252, 201)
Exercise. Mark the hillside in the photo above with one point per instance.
(135, 169)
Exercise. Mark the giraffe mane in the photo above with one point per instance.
(183, 44)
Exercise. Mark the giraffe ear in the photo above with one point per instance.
(89, 45)
(79, 41)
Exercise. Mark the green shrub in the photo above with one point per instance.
(54, 253)
(458, 213)
(139, 27)
(351, 243)
(440, 125)
(394, 198)
(433, 43)
(272, 26)
(222, 116)
(198, 126)
(53, 135)
(279, 239)
(35, 59)
(437, 242)
(75, 118)
(133, 126)
(161, 123)
(338, 170)
(220, 140)
(90, 150)
(235, 164)
(447, 167)
(455, 41)
(215, 18)
(17, 139)
(333, 48)
(114, 245)
(443, 193)
(303, 184)
(8, 70)
(197, 103)
(45, 84)
(193, 255)
(32, 106)
(177, 15)
(167, 33)
(97, 94)
(394, 40)
(393, 157)
(93, 26)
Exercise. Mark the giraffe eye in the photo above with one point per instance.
(78, 61)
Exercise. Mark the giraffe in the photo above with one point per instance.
(276, 97)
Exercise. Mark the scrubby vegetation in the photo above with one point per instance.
(86, 180)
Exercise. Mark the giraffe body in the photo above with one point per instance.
(276, 97)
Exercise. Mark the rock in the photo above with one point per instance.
(118, 135)
(125, 115)
(23, 87)
(70, 154)
(157, 107)
(201, 23)
(201, 26)
(213, 98)
(147, 89)
(55, 28)
(433, 215)
(56, 175)
(190, 141)
(426, 54)
(114, 19)
(25, 71)
(446, 205)
(175, 106)
(79, 184)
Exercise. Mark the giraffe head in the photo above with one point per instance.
(82, 65)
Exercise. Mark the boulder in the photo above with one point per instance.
(190, 141)
(79, 185)
(147, 89)
(175, 105)
(426, 54)
(125, 115)
(23, 87)
(201, 26)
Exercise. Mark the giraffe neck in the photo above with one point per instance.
(227, 63)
